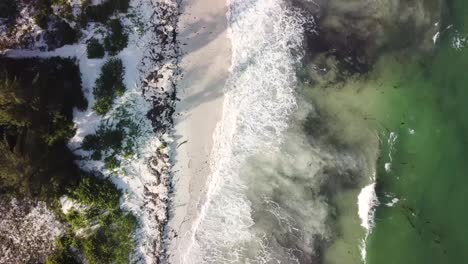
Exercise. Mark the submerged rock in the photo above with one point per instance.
(355, 33)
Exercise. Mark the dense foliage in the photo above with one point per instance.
(37, 98)
(117, 39)
(101, 231)
(44, 10)
(64, 8)
(105, 141)
(94, 49)
(62, 34)
(109, 85)
(102, 12)
(8, 9)
(114, 140)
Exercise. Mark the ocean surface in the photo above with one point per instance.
(340, 142)
(429, 116)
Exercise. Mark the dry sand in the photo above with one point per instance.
(205, 67)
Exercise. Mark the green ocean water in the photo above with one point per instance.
(411, 113)
(428, 111)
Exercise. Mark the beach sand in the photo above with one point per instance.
(205, 62)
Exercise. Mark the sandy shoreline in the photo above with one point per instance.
(205, 62)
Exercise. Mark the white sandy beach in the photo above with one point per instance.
(206, 58)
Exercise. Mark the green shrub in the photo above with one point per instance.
(63, 129)
(41, 20)
(76, 220)
(117, 40)
(103, 105)
(108, 231)
(67, 34)
(44, 10)
(113, 241)
(95, 49)
(65, 8)
(109, 85)
(63, 253)
(102, 12)
(105, 140)
(111, 162)
(98, 193)
(13, 104)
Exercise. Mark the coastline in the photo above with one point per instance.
(204, 63)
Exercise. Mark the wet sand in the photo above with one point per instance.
(205, 62)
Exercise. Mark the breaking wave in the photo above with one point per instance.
(259, 99)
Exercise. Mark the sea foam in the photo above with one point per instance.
(259, 97)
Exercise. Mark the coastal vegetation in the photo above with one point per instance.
(117, 39)
(113, 142)
(44, 11)
(61, 22)
(95, 49)
(102, 13)
(99, 228)
(109, 85)
(37, 98)
(8, 9)
(113, 43)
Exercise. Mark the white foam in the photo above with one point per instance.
(393, 202)
(367, 203)
(259, 98)
(435, 37)
(388, 167)
(459, 41)
(367, 200)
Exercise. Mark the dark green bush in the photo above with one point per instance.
(67, 34)
(37, 98)
(98, 193)
(109, 85)
(63, 253)
(106, 231)
(64, 129)
(41, 19)
(113, 241)
(76, 220)
(44, 10)
(105, 140)
(102, 12)
(117, 40)
(94, 49)
(8, 9)
(65, 8)
(103, 105)
(111, 162)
